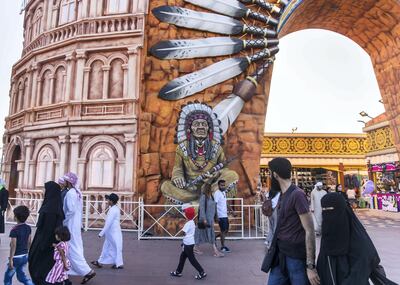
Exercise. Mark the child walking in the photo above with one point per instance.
(112, 248)
(59, 273)
(187, 248)
(20, 242)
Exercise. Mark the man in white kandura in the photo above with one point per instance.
(316, 195)
(112, 248)
(73, 207)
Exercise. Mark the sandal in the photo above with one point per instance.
(176, 274)
(117, 267)
(88, 277)
(97, 264)
(200, 276)
(219, 255)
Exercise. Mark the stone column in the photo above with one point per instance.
(133, 72)
(80, 65)
(51, 92)
(74, 153)
(125, 68)
(106, 80)
(27, 94)
(39, 94)
(130, 142)
(34, 90)
(28, 153)
(12, 98)
(86, 79)
(70, 59)
(63, 141)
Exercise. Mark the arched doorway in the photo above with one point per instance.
(14, 176)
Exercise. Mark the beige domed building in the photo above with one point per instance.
(74, 96)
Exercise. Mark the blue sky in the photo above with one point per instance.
(321, 80)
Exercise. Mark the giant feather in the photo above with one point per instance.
(197, 81)
(208, 22)
(234, 9)
(229, 109)
(208, 47)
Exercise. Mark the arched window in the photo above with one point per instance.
(117, 6)
(96, 80)
(101, 167)
(37, 23)
(116, 86)
(46, 89)
(45, 166)
(59, 89)
(67, 11)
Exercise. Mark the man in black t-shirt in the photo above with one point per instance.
(20, 242)
(294, 238)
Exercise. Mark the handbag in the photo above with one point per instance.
(200, 224)
(271, 255)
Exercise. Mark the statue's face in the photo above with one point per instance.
(199, 128)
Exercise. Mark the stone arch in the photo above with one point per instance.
(14, 141)
(101, 167)
(116, 145)
(45, 165)
(99, 57)
(115, 56)
(47, 67)
(50, 142)
(373, 25)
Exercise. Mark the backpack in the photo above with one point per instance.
(267, 207)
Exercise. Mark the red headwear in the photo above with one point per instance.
(190, 213)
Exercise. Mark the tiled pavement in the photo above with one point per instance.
(149, 262)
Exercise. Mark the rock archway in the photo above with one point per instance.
(374, 25)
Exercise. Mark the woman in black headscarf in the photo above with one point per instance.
(51, 216)
(347, 255)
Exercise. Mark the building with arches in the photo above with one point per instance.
(74, 96)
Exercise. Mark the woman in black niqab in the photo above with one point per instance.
(51, 216)
(347, 255)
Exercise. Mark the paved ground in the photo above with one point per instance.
(149, 262)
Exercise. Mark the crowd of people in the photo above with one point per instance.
(57, 251)
(346, 256)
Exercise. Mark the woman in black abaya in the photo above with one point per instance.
(347, 255)
(51, 216)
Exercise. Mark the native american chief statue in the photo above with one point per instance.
(198, 154)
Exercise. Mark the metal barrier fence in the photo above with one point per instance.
(155, 221)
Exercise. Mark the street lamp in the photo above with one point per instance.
(381, 101)
(365, 114)
(294, 129)
(360, 121)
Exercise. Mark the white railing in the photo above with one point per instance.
(154, 221)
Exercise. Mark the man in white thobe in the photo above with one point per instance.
(73, 207)
(316, 195)
(112, 248)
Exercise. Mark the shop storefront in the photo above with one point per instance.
(330, 158)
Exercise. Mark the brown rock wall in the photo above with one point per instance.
(374, 25)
